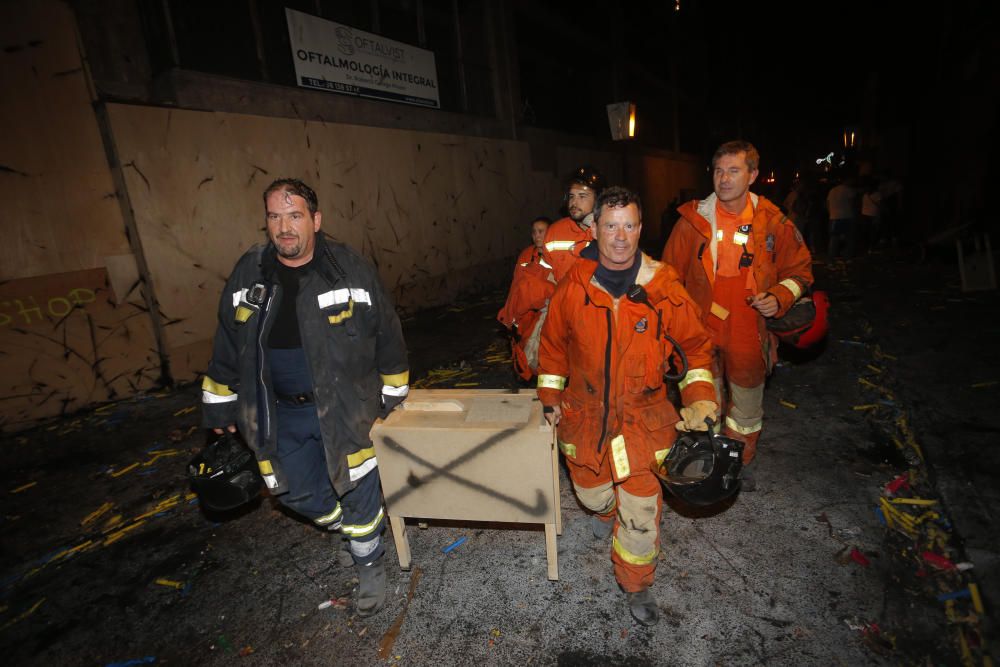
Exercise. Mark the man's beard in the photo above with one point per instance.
(289, 251)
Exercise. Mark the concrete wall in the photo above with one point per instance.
(123, 220)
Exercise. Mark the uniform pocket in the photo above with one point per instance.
(658, 417)
(658, 432)
(571, 431)
(635, 374)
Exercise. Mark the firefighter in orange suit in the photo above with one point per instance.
(742, 261)
(611, 329)
(568, 236)
(527, 301)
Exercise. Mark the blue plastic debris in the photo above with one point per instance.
(148, 660)
(954, 595)
(454, 545)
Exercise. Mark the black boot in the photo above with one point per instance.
(371, 587)
(643, 607)
(748, 482)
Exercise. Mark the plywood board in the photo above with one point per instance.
(61, 212)
(438, 214)
(488, 461)
(66, 344)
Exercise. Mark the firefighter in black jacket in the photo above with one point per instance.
(308, 352)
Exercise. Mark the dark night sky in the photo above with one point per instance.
(792, 75)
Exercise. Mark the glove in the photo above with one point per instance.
(693, 417)
(388, 402)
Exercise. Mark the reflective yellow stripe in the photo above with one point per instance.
(696, 375)
(366, 529)
(620, 456)
(793, 287)
(544, 263)
(567, 448)
(718, 234)
(208, 384)
(396, 380)
(559, 245)
(557, 382)
(331, 517)
(265, 467)
(628, 557)
(743, 430)
(342, 315)
(661, 454)
(357, 458)
(243, 314)
(212, 392)
(739, 238)
(719, 311)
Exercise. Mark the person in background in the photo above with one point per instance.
(842, 204)
(568, 236)
(742, 261)
(524, 311)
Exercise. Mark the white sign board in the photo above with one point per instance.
(342, 59)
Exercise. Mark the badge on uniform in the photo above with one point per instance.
(641, 325)
(769, 242)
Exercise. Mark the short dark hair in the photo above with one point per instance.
(542, 218)
(294, 186)
(735, 148)
(616, 197)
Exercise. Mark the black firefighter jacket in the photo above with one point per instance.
(353, 343)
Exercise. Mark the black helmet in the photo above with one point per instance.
(588, 176)
(702, 468)
(225, 474)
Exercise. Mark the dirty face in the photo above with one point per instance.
(732, 177)
(580, 201)
(291, 227)
(617, 236)
(538, 229)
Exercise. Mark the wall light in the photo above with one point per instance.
(621, 120)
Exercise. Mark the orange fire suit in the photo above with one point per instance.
(522, 314)
(602, 360)
(771, 257)
(564, 241)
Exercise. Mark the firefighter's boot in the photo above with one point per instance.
(643, 607)
(371, 587)
(748, 481)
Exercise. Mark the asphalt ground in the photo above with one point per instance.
(870, 540)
